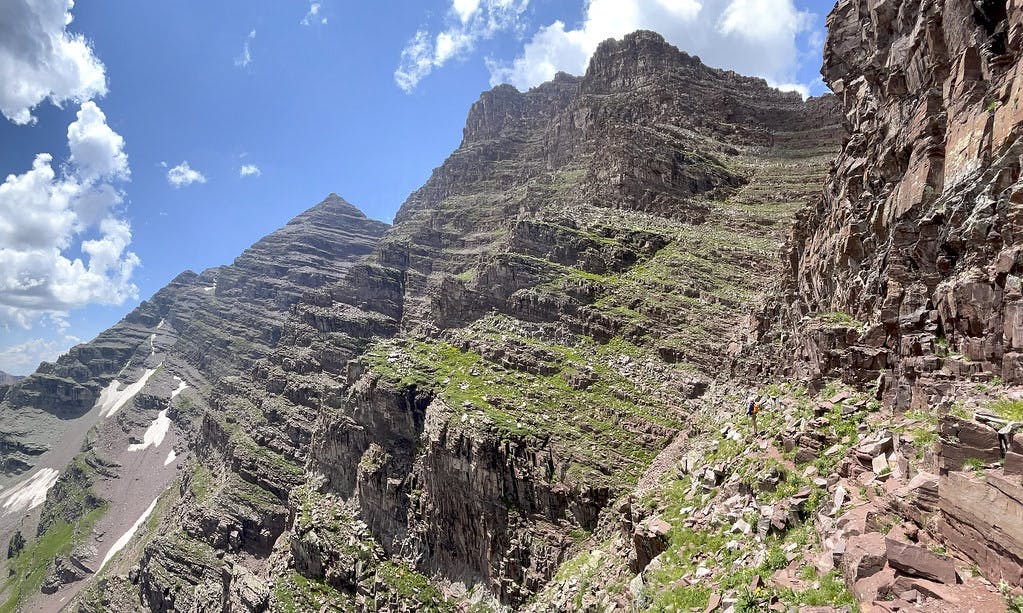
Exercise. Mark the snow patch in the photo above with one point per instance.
(154, 434)
(157, 430)
(180, 388)
(29, 493)
(159, 325)
(170, 457)
(121, 542)
(152, 344)
(112, 398)
(210, 288)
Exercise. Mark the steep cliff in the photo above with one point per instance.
(907, 269)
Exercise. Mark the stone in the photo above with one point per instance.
(864, 556)
(981, 517)
(741, 526)
(649, 539)
(874, 586)
(919, 562)
(962, 440)
(838, 500)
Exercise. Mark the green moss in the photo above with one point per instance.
(839, 319)
(542, 408)
(412, 588)
(826, 590)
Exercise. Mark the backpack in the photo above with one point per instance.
(753, 408)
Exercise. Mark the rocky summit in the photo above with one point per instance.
(532, 390)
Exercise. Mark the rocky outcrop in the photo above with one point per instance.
(906, 270)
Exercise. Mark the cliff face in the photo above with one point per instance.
(907, 270)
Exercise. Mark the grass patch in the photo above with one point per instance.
(1008, 409)
(29, 568)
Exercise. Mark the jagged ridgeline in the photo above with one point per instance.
(432, 414)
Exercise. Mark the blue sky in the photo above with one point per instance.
(359, 98)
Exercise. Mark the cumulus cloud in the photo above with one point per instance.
(245, 58)
(469, 21)
(249, 170)
(755, 37)
(312, 16)
(183, 175)
(46, 216)
(40, 60)
(24, 358)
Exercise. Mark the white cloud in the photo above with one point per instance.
(249, 170)
(465, 9)
(312, 16)
(755, 37)
(46, 216)
(183, 174)
(96, 150)
(469, 22)
(245, 58)
(24, 358)
(40, 60)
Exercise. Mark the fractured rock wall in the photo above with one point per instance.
(909, 267)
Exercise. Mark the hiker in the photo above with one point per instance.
(752, 410)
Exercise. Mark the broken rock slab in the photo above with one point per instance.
(649, 539)
(920, 562)
(864, 556)
(962, 439)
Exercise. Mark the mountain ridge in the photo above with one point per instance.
(529, 392)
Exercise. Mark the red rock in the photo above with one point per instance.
(713, 603)
(982, 518)
(930, 589)
(877, 585)
(920, 562)
(962, 439)
(864, 556)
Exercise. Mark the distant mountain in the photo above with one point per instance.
(6, 379)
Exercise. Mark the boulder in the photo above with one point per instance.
(962, 440)
(875, 586)
(864, 556)
(919, 562)
(981, 517)
(649, 539)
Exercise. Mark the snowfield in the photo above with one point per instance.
(126, 537)
(112, 398)
(154, 434)
(157, 430)
(30, 493)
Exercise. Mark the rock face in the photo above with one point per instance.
(469, 408)
(907, 269)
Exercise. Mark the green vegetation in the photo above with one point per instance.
(974, 464)
(839, 319)
(28, 569)
(1009, 409)
(544, 408)
(295, 594)
(412, 587)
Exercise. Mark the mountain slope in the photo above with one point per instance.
(537, 325)
(90, 414)
(439, 413)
